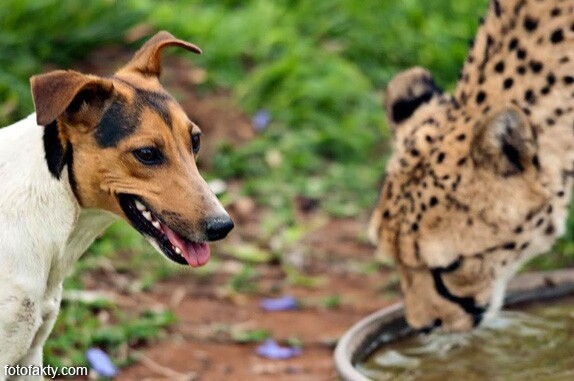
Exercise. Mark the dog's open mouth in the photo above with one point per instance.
(173, 245)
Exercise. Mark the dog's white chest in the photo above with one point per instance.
(44, 232)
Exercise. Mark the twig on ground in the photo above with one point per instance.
(162, 370)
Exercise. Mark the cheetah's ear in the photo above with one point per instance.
(507, 143)
(406, 92)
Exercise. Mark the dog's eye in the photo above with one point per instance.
(195, 143)
(149, 155)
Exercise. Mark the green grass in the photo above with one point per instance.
(317, 67)
(83, 325)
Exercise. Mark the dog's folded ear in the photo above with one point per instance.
(69, 93)
(147, 60)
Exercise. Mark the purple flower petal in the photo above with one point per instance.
(100, 362)
(284, 303)
(271, 350)
(261, 120)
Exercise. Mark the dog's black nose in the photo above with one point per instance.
(218, 227)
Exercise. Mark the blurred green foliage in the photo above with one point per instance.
(317, 67)
(35, 33)
(562, 255)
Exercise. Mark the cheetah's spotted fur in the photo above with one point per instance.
(480, 181)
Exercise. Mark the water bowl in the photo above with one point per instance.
(539, 312)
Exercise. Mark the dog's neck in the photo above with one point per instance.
(90, 223)
(58, 229)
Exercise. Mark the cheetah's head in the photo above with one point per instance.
(455, 209)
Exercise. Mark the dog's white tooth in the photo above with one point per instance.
(156, 224)
(141, 207)
(177, 250)
(147, 215)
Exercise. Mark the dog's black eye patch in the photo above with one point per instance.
(158, 102)
(122, 118)
(119, 121)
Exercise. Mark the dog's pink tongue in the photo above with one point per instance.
(195, 253)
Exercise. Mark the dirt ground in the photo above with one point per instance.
(198, 346)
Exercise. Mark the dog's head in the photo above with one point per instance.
(130, 149)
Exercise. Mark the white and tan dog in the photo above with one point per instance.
(95, 149)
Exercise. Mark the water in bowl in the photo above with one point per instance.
(534, 344)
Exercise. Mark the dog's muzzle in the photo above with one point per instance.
(168, 239)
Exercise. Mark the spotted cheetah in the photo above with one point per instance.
(479, 181)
